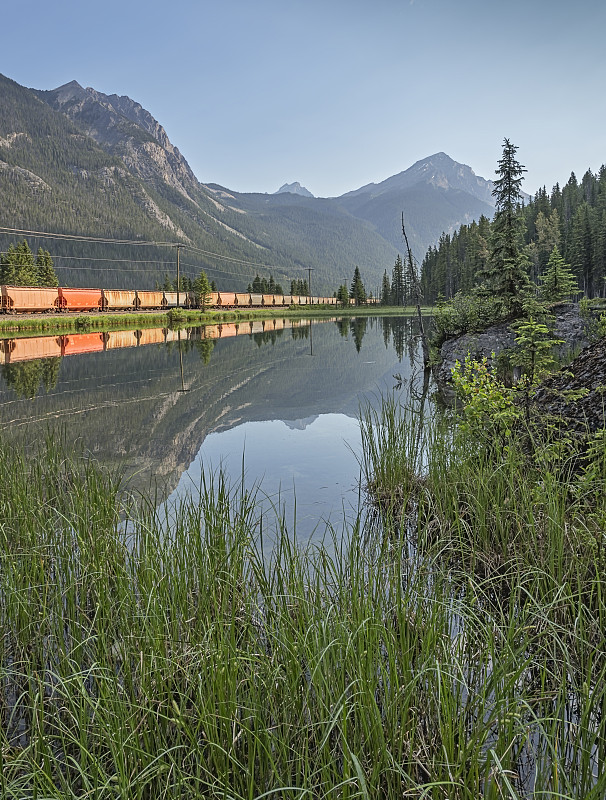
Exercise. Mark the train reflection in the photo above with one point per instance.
(35, 347)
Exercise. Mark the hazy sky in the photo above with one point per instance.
(335, 93)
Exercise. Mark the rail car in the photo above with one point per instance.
(37, 347)
(29, 299)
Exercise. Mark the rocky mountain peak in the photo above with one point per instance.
(438, 170)
(125, 129)
(294, 188)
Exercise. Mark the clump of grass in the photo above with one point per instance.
(153, 655)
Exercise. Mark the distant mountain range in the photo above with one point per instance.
(77, 161)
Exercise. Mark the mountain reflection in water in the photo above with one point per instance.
(149, 409)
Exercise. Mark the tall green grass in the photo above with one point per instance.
(154, 655)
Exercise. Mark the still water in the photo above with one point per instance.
(275, 402)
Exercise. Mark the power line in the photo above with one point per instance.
(72, 237)
(137, 242)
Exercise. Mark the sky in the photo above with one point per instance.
(335, 94)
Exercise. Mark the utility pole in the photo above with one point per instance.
(309, 271)
(178, 274)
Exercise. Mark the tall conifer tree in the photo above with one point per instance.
(508, 265)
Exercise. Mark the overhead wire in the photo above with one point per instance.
(138, 242)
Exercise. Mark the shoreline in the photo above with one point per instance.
(86, 322)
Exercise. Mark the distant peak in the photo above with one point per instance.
(294, 188)
(70, 85)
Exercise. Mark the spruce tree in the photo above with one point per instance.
(357, 291)
(385, 290)
(46, 272)
(558, 280)
(507, 265)
(202, 289)
(398, 288)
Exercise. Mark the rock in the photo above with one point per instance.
(561, 394)
(569, 326)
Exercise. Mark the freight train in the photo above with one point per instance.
(36, 347)
(29, 299)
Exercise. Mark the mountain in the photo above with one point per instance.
(294, 188)
(435, 194)
(76, 161)
(438, 170)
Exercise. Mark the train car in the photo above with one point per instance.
(22, 299)
(226, 299)
(80, 299)
(150, 336)
(212, 300)
(169, 300)
(256, 299)
(242, 299)
(27, 349)
(287, 299)
(303, 300)
(294, 299)
(119, 299)
(149, 299)
(78, 343)
(211, 332)
(118, 339)
(171, 335)
(229, 329)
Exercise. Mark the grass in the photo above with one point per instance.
(146, 655)
(66, 323)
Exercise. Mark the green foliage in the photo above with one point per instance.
(558, 280)
(27, 377)
(534, 349)
(466, 313)
(489, 412)
(299, 287)
(357, 291)
(343, 295)
(573, 218)
(202, 289)
(18, 267)
(507, 268)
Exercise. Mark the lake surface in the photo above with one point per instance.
(276, 402)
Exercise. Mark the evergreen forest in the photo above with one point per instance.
(571, 218)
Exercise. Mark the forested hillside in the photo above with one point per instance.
(573, 218)
(92, 168)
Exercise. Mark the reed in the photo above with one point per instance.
(149, 653)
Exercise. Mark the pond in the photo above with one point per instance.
(277, 402)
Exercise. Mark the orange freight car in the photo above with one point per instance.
(149, 299)
(28, 349)
(78, 343)
(80, 299)
(226, 299)
(116, 339)
(211, 332)
(17, 299)
(229, 329)
(242, 298)
(150, 336)
(268, 300)
(169, 299)
(114, 299)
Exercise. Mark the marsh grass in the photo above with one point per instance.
(144, 656)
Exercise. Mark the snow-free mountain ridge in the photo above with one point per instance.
(77, 160)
